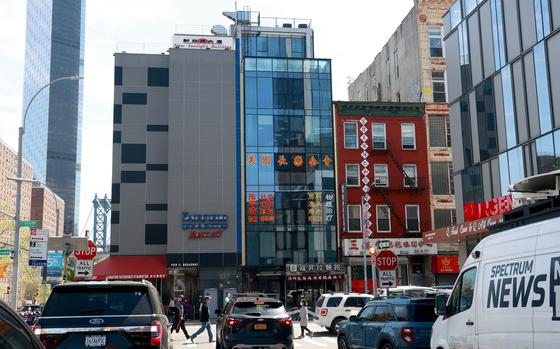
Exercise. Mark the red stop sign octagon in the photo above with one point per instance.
(90, 253)
(387, 260)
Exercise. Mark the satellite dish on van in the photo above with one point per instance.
(219, 30)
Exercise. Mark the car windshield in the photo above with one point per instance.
(415, 312)
(258, 308)
(76, 301)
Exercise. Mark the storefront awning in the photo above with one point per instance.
(131, 268)
(454, 233)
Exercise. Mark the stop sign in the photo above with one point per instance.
(90, 253)
(387, 260)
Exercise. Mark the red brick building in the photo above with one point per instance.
(383, 185)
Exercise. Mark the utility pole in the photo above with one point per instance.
(19, 179)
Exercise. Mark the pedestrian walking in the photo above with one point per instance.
(204, 320)
(180, 322)
(303, 317)
(173, 311)
(226, 300)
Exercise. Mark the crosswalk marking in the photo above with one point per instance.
(314, 342)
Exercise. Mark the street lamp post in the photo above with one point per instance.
(18, 180)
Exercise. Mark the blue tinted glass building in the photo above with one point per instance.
(52, 142)
(286, 141)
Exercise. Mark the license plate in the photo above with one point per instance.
(96, 341)
(260, 326)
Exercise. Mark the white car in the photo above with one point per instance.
(335, 307)
(408, 291)
(507, 295)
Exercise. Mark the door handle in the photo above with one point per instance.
(348, 310)
(469, 323)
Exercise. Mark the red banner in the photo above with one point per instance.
(445, 264)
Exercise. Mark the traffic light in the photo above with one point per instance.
(372, 251)
(37, 292)
(8, 290)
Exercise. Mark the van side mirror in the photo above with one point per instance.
(353, 318)
(441, 305)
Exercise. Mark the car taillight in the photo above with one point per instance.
(286, 322)
(324, 312)
(233, 322)
(156, 331)
(407, 335)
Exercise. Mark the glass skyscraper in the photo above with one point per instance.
(52, 142)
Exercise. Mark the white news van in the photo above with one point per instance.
(507, 295)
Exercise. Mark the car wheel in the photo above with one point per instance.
(342, 344)
(334, 325)
(386, 345)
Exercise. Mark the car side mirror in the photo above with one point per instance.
(441, 305)
(353, 318)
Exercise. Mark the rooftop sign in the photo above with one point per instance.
(203, 42)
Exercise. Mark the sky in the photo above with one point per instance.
(349, 32)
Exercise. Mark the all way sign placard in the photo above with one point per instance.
(84, 268)
(387, 278)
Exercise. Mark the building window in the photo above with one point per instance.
(396, 59)
(156, 167)
(464, 57)
(133, 176)
(440, 136)
(412, 218)
(118, 76)
(381, 175)
(498, 33)
(354, 218)
(388, 72)
(441, 184)
(543, 92)
(351, 135)
(158, 77)
(116, 136)
(444, 218)
(509, 107)
(542, 17)
(436, 41)
(466, 131)
(157, 128)
(156, 207)
(455, 14)
(438, 87)
(408, 136)
(155, 234)
(115, 217)
(383, 218)
(117, 114)
(545, 154)
(472, 184)
(469, 5)
(353, 175)
(486, 120)
(411, 178)
(379, 136)
(115, 193)
(133, 154)
(134, 98)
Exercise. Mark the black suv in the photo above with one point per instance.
(253, 322)
(108, 314)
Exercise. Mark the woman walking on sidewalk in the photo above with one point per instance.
(180, 322)
(303, 316)
(204, 320)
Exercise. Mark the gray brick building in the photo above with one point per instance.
(174, 163)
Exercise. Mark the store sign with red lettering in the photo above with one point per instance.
(315, 277)
(260, 208)
(494, 207)
(205, 234)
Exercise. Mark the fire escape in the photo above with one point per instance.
(413, 185)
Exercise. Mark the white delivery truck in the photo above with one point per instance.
(507, 295)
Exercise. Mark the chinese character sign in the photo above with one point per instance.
(315, 207)
(329, 207)
(260, 208)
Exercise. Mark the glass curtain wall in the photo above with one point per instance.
(289, 169)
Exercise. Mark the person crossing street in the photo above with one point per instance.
(204, 320)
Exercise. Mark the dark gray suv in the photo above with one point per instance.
(107, 314)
